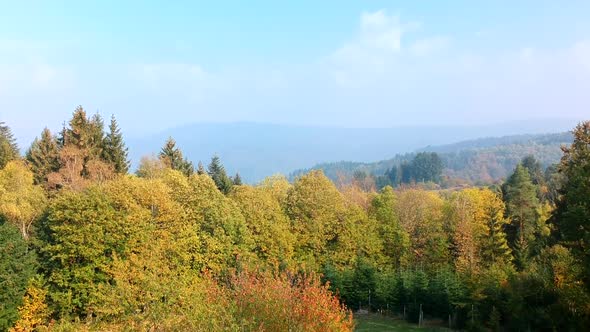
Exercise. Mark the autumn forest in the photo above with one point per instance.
(88, 242)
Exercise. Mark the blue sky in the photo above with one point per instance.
(339, 63)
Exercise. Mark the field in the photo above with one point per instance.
(378, 323)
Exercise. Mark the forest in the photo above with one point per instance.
(89, 244)
(483, 161)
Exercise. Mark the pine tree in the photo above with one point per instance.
(217, 172)
(172, 157)
(533, 166)
(427, 167)
(237, 180)
(115, 151)
(572, 216)
(17, 266)
(79, 130)
(8, 147)
(522, 209)
(43, 156)
(96, 136)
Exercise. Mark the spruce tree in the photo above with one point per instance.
(96, 136)
(217, 172)
(522, 206)
(572, 216)
(8, 147)
(43, 156)
(237, 180)
(115, 151)
(172, 157)
(78, 133)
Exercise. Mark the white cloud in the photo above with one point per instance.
(428, 46)
(379, 37)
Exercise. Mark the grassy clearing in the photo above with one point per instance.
(378, 323)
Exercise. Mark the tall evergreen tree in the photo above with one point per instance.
(572, 216)
(522, 206)
(96, 136)
(237, 180)
(533, 166)
(43, 156)
(8, 147)
(393, 174)
(172, 157)
(217, 172)
(115, 152)
(17, 266)
(406, 172)
(427, 167)
(78, 133)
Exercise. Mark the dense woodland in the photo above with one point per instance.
(483, 161)
(86, 245)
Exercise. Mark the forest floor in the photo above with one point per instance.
(379, 323)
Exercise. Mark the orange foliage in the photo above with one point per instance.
(268, 302)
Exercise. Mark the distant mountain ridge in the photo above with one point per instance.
(257, 150)
(482, 160)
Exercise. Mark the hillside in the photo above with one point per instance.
(258, 150)
(482, 160)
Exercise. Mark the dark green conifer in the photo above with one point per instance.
(237, 180)
(217, 172)
(43, 156)
(172, 157)
(8, 147)
(115, 152)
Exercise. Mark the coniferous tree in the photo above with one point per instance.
(78, 133)
(427, 167)
(237, 180)
(17, 265)
(572, 216)
(406, 172)
(43, 156)
(217, 172)
(393, 174)
(533, 166)
(8, 147)
(115, 152)
(172, 157)
(522, 209)
(96, 136)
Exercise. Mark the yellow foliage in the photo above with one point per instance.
(33, 313)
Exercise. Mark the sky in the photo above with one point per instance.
(161, 64)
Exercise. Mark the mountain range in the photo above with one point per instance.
(259, 150)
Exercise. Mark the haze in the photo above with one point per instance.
(354, 64)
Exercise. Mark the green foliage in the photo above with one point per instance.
(82, 233)
(21, 202)
(572, 217)
(217, 172)
(172, 157)
(269, 226)
(172, 250)
(396, 241)
(482, 161)
(8, 147)
(43, 156)
(316, 210)
(522, 209)
(17, 266)
(114, 150)
(427, 167)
